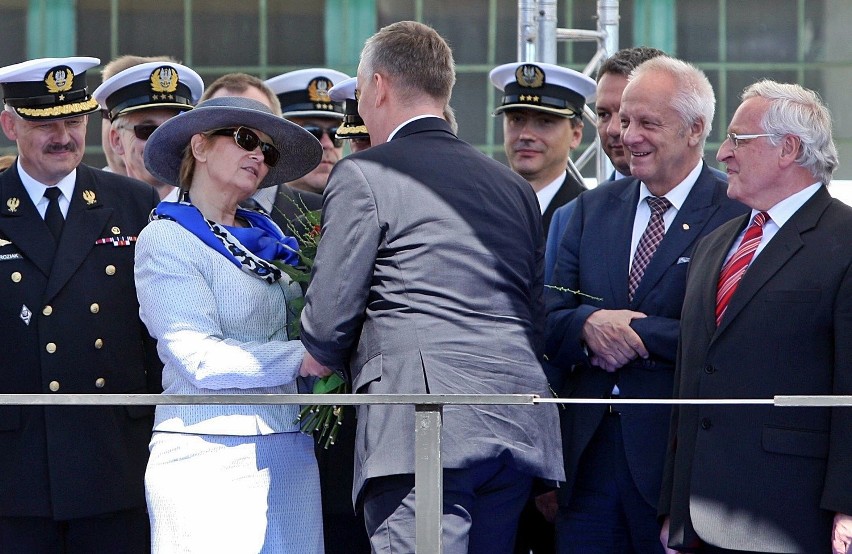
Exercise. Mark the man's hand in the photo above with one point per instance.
(664, 538)
(613, 343)
(547, 505)
(841, 534)
(312, 368)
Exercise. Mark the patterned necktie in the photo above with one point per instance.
(736, 266)
(53, 215)
(648, 242)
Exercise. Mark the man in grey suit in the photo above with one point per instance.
(428, 279)
(767, 311)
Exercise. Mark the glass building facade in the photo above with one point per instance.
(736, 42)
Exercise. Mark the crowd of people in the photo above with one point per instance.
(439, 271)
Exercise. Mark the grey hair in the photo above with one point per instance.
(795, 110)
(694, 99)
(415, 57)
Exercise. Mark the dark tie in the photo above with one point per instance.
(648, 242)
(53, 215)
(736, 266)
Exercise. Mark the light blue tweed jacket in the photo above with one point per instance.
(219, 330)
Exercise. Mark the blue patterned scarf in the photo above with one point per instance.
(252, 249)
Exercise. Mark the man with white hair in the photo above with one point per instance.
(767, 312)
(625, 252)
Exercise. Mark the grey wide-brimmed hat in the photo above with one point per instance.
(300, 151)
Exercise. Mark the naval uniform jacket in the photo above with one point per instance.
(70, 322)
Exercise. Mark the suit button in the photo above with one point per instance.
(16, 277)
(709, 369)
(110, 269)
(99, 343)
(94, 308)
(706, 423)
(54, 386)
(50, 347)
(47, 310)
(100, 382)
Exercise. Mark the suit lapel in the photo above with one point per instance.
(774, 255)
(620, 212)
(22, 224)
(687, 226)
(84, 223)
(568, 190)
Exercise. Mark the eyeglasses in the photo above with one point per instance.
(318, 131)
(143, 131)
(249, 141)
(737, 139)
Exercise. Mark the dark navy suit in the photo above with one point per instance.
(594, 258)
(83, 335)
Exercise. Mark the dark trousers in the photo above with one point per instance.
(606, 513)
(535, 533)
(480, 515)
(124, 532)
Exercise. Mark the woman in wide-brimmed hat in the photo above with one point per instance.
(226, 478)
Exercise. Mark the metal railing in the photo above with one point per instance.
(428, 422)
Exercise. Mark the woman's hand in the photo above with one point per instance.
(312, 368)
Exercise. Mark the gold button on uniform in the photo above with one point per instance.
(94, 308)
(54, 386)
(110, 269)
(47, 310)
(99, 343)
(16, 277)
(50, 347)
(100, 382)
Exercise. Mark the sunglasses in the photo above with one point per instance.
(143, 131)
(318, 132)
(249, 141)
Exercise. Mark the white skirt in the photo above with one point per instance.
(234, 494)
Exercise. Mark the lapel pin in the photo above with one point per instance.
(13, 204)
(89, 197)
(116, 231)
(686, 226)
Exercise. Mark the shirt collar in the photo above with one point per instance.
(677, 196)
(545, 195)
(406, 122)
(36, 189)
(784, 210)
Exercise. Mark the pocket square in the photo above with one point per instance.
(683, 260)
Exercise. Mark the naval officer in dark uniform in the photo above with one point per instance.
(71, 477)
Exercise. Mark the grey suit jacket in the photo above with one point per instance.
(760, 477)
(428, 279)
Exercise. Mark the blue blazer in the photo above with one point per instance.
(594, 258)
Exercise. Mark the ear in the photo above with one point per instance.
(381, 83)
(695, 131)
(115, 141)
(576, 134)
(790, 148)
(198, 143)
(7, 120)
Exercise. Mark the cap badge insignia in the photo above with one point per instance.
(59, 79)
(13, 204)
(318, 90)
(89, 197)
(530, 76)
(164, 79)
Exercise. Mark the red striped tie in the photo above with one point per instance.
(736, 266)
